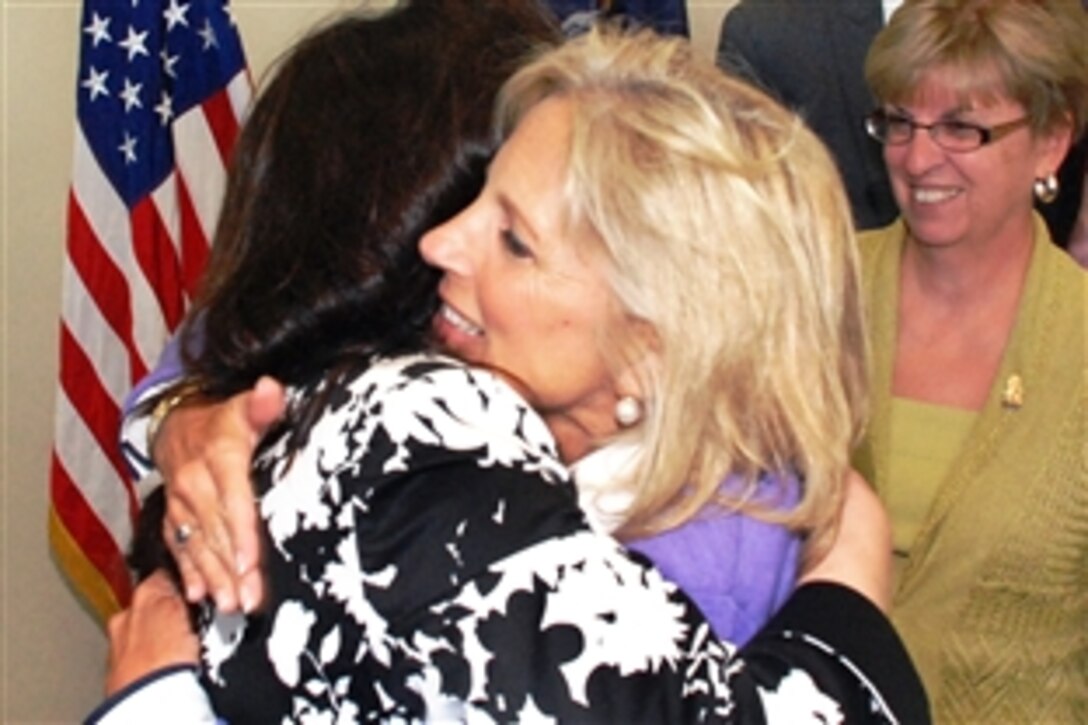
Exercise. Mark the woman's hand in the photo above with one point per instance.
(151, 634)
(204, 452)
(860, 557)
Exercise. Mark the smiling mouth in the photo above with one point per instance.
(459, 321)
(932, 196)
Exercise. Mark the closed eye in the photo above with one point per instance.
(514, 245)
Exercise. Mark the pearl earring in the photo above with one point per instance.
(1046, 190)
(628, 411)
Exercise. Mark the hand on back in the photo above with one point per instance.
(204, 451)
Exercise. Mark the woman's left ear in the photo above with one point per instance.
(1053, 148)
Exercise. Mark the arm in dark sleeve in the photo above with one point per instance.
(848, 646)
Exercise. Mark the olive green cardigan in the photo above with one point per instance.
(993, 602)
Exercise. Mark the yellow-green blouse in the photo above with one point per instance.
(924, 441)
(993, 601)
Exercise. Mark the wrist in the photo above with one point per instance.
(167, 404)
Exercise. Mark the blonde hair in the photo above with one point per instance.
(1034, 51)
(723, 225)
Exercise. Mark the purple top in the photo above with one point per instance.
(168, 369)
(737, 569)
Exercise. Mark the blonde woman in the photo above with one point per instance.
(720, 229)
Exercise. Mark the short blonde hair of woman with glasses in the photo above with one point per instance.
(1034, 52)
(724, 229)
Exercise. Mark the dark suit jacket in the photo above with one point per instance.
(810, 54)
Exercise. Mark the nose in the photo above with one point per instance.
(443, 247)
(921, 152)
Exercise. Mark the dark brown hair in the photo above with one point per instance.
(372, 130)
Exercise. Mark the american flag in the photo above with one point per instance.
(161, 90)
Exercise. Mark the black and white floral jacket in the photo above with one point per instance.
(427, 561)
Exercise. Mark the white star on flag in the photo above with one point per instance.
(131, 95)
(96, 83)
(208, 34)
(168, 63)
(175, 15)
(134, 43)
(165, 109)
(99, 29)
(128, 148)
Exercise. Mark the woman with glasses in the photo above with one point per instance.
(977, 442)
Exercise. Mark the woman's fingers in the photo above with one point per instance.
(263, 407)
(205, 451)
(204, 555)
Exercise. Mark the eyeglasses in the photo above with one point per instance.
(956, 136)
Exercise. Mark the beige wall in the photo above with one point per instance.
(51, 651)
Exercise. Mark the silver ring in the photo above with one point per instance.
(182, 534)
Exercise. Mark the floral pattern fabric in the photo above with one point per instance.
(427, 560)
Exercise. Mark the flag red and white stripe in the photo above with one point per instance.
(161, 91)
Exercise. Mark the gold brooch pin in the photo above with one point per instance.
(1013, 397)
